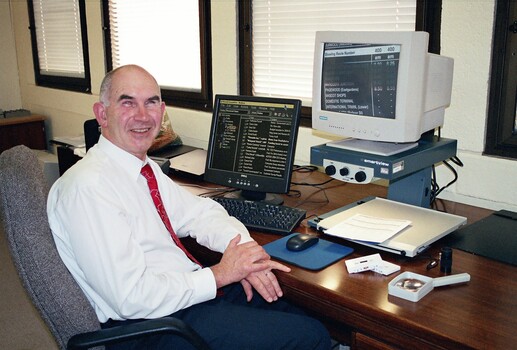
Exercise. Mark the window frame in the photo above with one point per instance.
(179, 98)
(58, 81)
(499, 138)
(428, 18)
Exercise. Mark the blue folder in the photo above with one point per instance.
(320, 255)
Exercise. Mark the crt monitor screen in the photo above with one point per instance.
(379, 86)
(252, 144)
(360, 79)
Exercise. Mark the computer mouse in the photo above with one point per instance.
(301, 241)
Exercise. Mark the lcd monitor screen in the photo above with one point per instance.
(252, 143)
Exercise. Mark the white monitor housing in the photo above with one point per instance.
(379, 86)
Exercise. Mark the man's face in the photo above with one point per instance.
(134, 114)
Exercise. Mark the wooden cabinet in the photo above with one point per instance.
(27, 130)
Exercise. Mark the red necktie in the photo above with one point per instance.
(147, 172)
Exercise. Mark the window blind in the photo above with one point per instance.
(160, 35)
(284, 33)
(58, 32)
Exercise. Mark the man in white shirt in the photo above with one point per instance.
(110, 236)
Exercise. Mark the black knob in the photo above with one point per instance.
(330, 170)
(360, 176)
(344, 171)
(446, 260)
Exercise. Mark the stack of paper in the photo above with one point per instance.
(368, 228)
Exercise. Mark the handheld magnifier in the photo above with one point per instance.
(413, 287)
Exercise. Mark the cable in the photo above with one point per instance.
(308, 169)
(305, 168)
(312, 184)
(435, 188)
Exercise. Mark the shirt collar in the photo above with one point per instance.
(125, 159)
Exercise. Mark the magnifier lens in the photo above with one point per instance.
(410, 284)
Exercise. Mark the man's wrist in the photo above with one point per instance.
(219, 276)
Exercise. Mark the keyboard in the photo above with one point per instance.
(261, 216)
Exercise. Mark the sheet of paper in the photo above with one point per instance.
(74, 141)
(368, 228)
(192, 162)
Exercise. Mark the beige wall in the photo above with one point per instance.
(467, 27)
(10, 97)
(466, 36)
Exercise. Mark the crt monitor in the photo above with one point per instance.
(252, 145)
(379, 86)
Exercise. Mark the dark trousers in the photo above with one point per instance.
(230, 322)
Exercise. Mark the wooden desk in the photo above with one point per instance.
(358, 310)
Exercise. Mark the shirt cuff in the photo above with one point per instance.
(204, 285)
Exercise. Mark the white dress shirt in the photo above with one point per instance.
(112, 240)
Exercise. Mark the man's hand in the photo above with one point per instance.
(264, 282)
(249, 264)
(238, 261)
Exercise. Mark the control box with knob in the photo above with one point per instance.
(409, 173)
(348, 172)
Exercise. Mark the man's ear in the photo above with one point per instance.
(100, 113)
(163, 109)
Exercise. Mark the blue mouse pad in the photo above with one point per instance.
(320, 255)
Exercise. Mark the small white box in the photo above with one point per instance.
(364, 263)
(386, 268)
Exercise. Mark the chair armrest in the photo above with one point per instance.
(135, 330)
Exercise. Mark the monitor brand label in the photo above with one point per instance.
(375, 162)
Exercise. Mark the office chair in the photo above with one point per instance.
(52, 289)
(92, 133)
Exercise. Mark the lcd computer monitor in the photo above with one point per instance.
(379, 86)
(252, 145)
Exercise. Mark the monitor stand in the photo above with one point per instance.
(270, 198)
(373, 147)
(409, 173)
